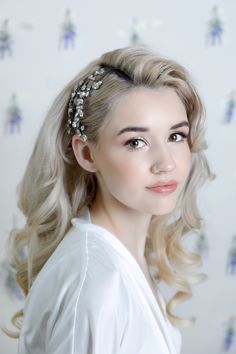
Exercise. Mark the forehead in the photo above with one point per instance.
(147, 105)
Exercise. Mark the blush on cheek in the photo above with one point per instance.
(188, 164)
(129, 175)
(121, 175)
(123, 166)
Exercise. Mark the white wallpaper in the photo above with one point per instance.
(43, 44)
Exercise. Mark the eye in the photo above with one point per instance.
(183, 136)
(135, 144)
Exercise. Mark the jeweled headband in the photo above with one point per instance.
(76, 103)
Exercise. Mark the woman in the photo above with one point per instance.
(108, 194)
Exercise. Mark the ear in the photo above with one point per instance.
(83, 154)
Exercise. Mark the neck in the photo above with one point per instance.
(128, 225)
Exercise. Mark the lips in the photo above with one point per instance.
(170, 183)
(164, 187)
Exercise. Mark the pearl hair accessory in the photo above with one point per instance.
(76, 103)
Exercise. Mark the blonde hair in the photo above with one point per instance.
(54, 187)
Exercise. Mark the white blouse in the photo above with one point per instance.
(91, 297)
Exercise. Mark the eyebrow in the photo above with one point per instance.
(145, 129)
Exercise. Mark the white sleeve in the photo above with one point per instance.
(97, 327)
(93, 323)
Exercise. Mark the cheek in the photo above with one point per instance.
(125, 169)
(120, 171)
(185, 163)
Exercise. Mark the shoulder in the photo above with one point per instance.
(79, 291)
(82, 264)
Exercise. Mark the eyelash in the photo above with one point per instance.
(183, 135)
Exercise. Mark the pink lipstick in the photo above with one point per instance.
(164, 187)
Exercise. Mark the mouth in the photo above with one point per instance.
(164, 188)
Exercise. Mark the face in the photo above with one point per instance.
(139, 147)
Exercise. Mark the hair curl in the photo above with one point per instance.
(54, 187)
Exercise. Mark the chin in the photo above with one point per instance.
(163, 210)
(162, 213)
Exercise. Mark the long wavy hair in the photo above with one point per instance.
(54, 187)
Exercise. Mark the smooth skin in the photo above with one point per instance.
(125, 164)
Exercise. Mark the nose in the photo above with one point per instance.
(164, 162)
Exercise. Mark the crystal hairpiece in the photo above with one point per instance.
(76, 103)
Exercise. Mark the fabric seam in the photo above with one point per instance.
(79, 291)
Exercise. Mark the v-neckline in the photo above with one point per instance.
(85, 216)
(154, 302)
